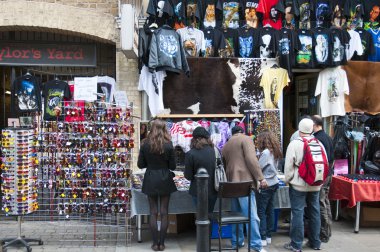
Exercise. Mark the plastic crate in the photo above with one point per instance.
(226, 231)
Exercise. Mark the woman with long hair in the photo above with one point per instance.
(202, 154)
(270, 155)
(157, 156)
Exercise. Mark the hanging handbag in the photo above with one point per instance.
(220, 174)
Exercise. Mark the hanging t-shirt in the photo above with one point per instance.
(304, 57)
(288, 42)
(355, 45)
(175, 9)
(273, 81)
(354, 10)
(323, 13)
(214, 41)
(367, 44)
(106, 85)
(267, 42)
(338, 18)
(231, 40)
(247, 42)
(54, 92)
(208, 14)
(152, 84)
(26, 95)
(286, 7)
(271, 16)
(156, 9)
(251, 16)
(371, 14)
(192, 40)
(332, 84)
(304, 10)
(340, 38)
(192, 12)
(230, 9)
(376, 42)
(323, 47)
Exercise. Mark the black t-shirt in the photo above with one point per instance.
(322, 13)
(354, 10)
(214, 41)
(371, 14)
(175, 8)
(26, 95)
(267, 42)
(247, 42)
(340, 38)
(305, 56)
(249, 14)
(304, 11)
(156, 10)
(287, 8)
(323, 47)
(230, 12)
(209, 15)
(231, 43)
(368, 45)
(288, 43)
(338, 18)
(54, 93)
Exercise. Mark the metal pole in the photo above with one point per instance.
(202, 222)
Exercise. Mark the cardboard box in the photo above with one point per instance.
(369, 216)
(179, 223)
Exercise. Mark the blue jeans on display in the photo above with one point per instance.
(298, 200)
(241, 205)
(265, 210)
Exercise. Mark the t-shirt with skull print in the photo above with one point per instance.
(54, 92)
(271, 16)
(267, 43)
(247, 42)
(323, 47)
(156, 9)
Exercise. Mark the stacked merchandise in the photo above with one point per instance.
(19, 171)
(86, 165)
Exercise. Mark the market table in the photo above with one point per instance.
(181, 202)
(352, 193)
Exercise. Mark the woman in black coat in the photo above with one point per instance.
(157, 156)
(202, 154)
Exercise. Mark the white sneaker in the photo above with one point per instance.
(264, 243)
(269, 241)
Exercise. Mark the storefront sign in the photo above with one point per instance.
(47, 54)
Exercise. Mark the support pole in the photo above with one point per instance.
(202, 222)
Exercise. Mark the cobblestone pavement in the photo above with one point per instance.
(343, 239)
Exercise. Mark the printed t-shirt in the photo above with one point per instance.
(267, 42)
(247, 42)
(338, 18)
(250, 14)
(288, 42)
(340, 38)
(332, 84)
(208, 14)
(376, 42)
(304, 10)
(354, 11)
(367, 44)
(214, 41)
(192, 40)
(323, 13)
(323, 47)
(231, 43)
(286, 7)
(54, 92)
(25, 95)
(355, 45)
(271, 15)
(304, 57)
(273, 81)
(230, 9)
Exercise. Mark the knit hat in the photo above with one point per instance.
(200, 132)
(306, 126)
(237, 129)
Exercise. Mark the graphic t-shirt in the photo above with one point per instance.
(355, 45)
(323, 47)
(267, 42)
(230, 9)
(323, 13)
(273, 81)
(231, 40)
(340, 38)
(376, 42)
(214, 41)
(288, 42)
(192, 14)
(175, 9)
(354, 11)
(247, 42)
(367, 43)
(208, 13)
(156, 9)
(26, 95)
(286, 7)
(338, 18)
(304, 10)
(371, 14)
(54, 92)
(332, 84)
(271, 16)
(304, 57)
(250, 14)
(192, 40)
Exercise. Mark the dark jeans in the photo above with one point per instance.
(298, 200)
(326, 216)
(265, 211)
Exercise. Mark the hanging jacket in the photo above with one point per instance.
(166, 51)
(145, 37)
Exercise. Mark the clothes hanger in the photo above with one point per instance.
(275, 66)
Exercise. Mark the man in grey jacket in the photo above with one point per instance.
(301, 193)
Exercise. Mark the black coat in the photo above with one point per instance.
(196, 159)
(158, 179)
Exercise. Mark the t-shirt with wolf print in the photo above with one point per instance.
(247, 42)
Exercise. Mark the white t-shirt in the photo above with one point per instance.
(354, 45)
(156, 101)
(193, 41)
(332, 84)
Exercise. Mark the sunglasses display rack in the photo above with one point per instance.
(84, 174)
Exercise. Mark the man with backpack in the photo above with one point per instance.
(324, 202)
(306, 168)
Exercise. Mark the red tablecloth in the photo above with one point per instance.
(353, 191)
